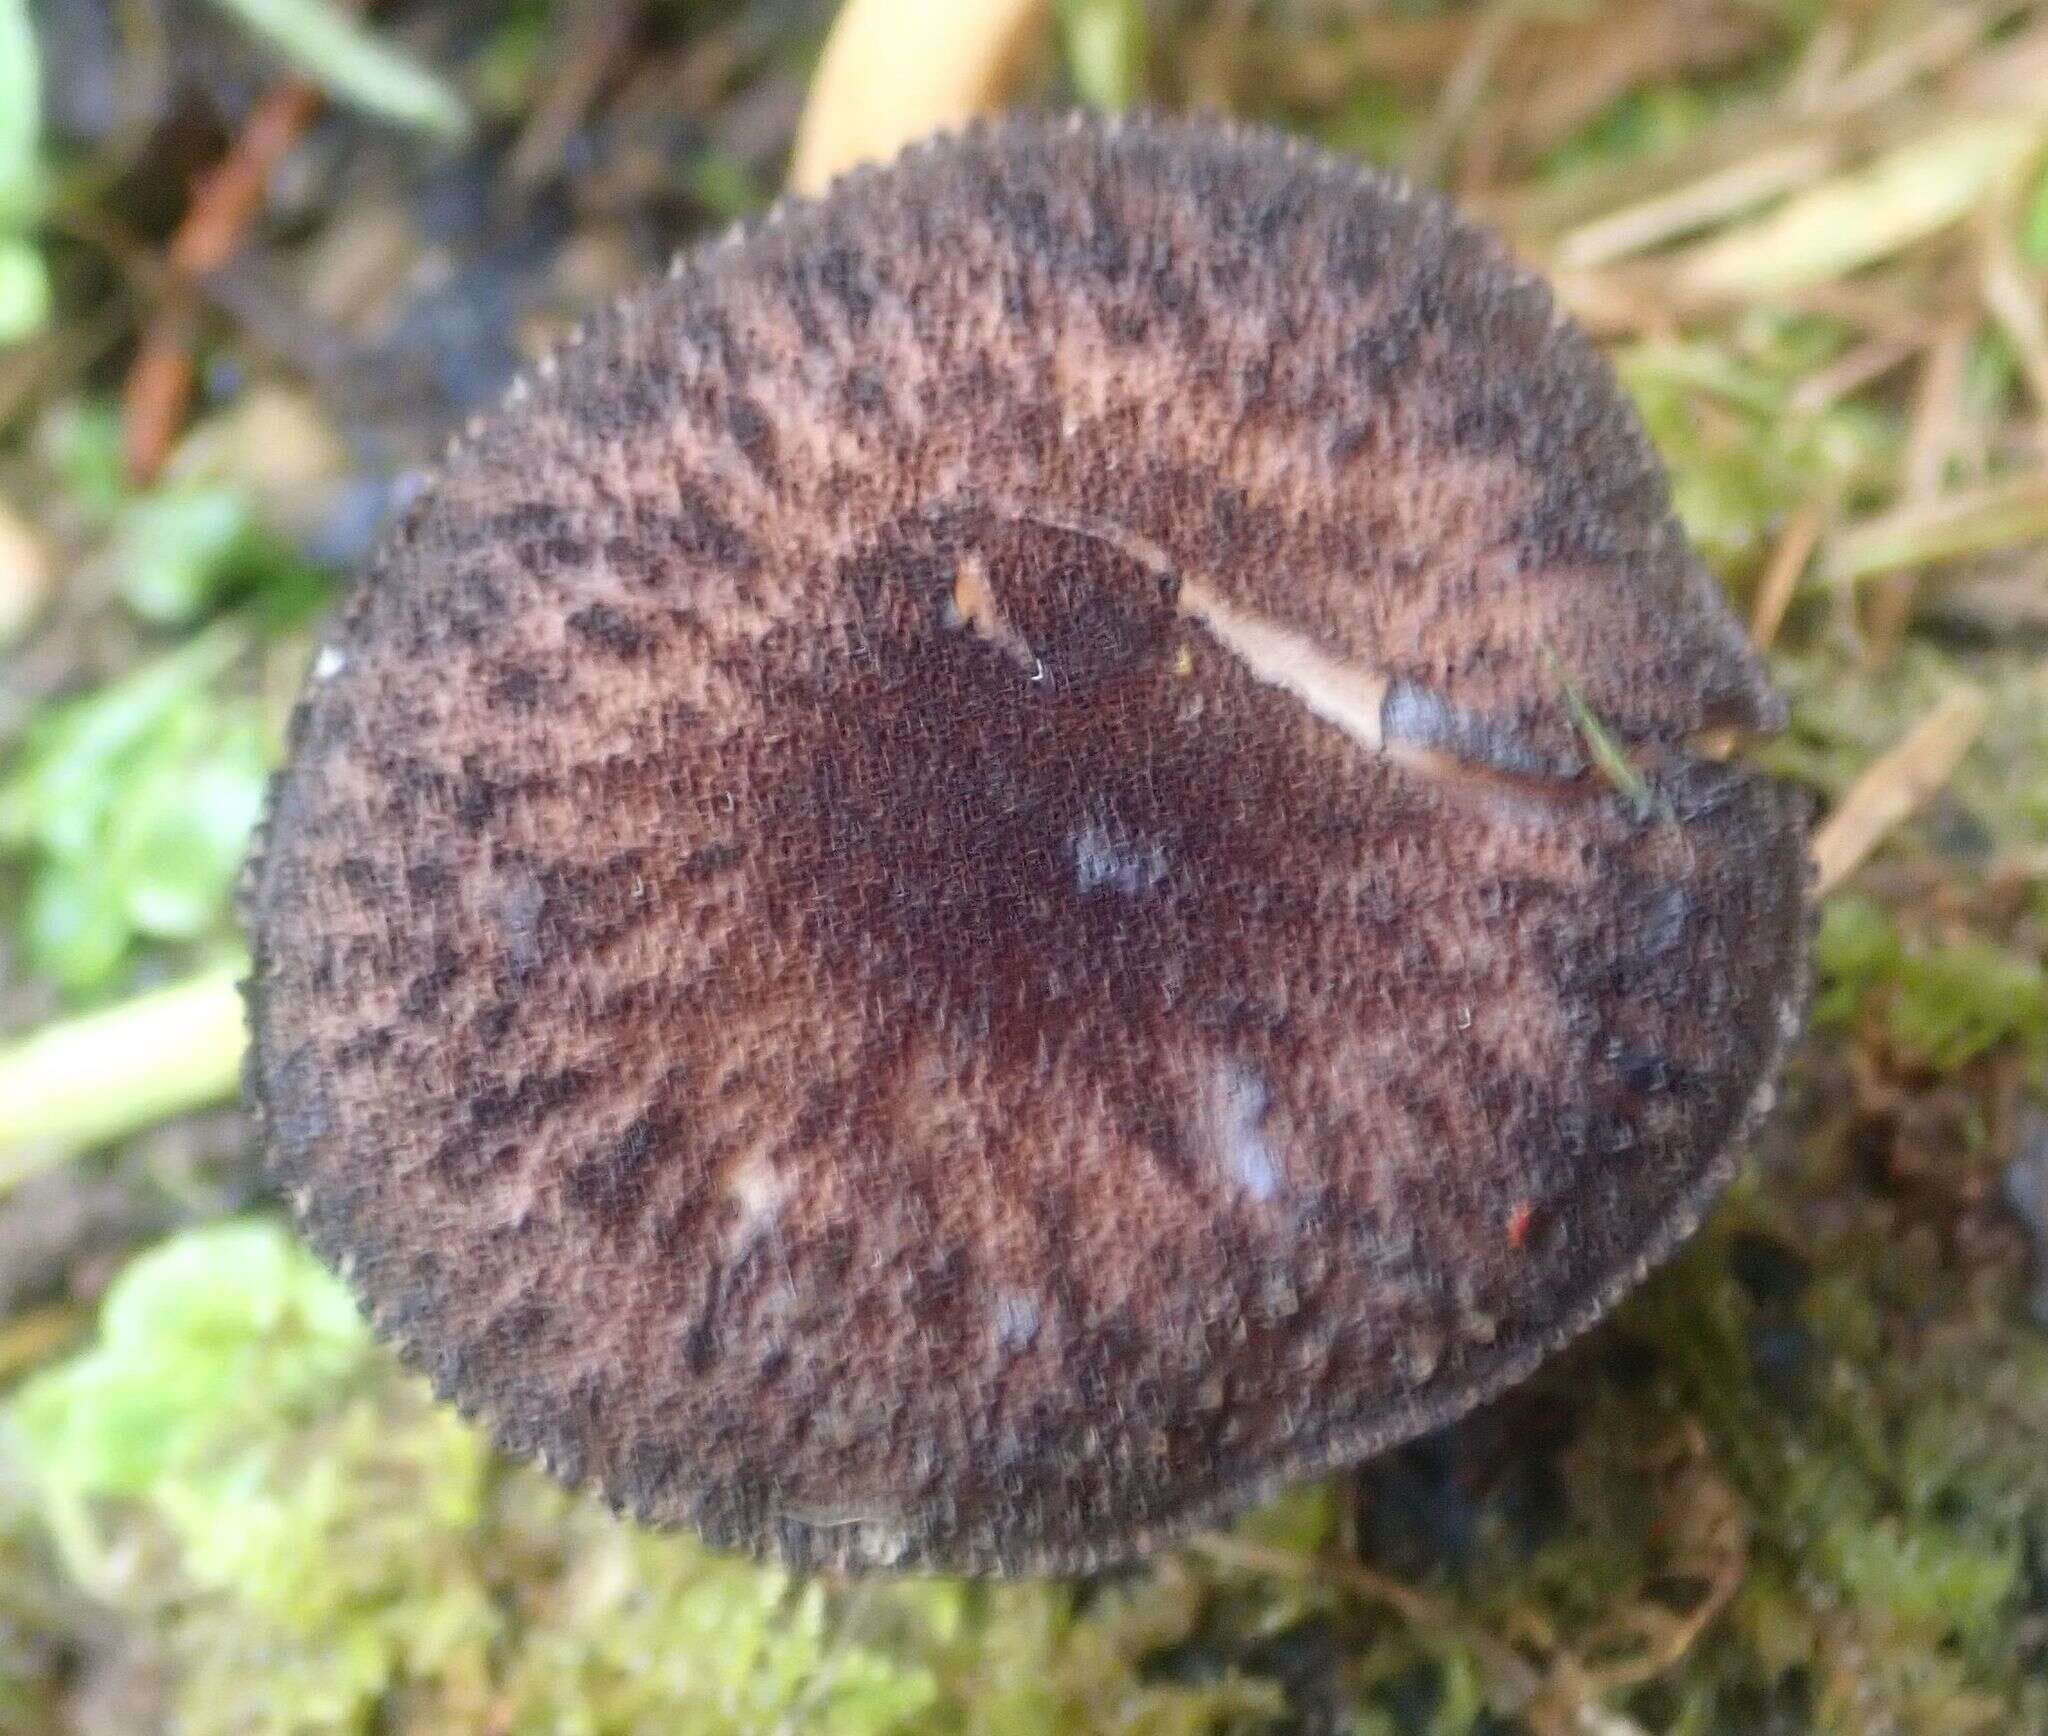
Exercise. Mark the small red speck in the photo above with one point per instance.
(1519, 1221)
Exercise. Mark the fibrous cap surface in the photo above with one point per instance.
(941, 904)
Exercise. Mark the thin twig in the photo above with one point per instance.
(159, 385)
(104, 1074)
(1515, 1680)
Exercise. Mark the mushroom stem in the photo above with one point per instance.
(85, 1080)
(894, 70)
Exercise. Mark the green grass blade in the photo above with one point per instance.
(352, 65)
(85, 1080)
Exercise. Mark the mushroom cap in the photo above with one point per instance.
(949, 900)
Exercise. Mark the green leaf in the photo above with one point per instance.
(206, 1334)
(24, 280)
(176, 550)
(60, 787)
(81, 444)
(351, 64)
(20, 116)
(1376, 121)
(2034, 222)
(24, 290)
(723, 184)
(71, 927)
(1637, 124)
(1105, 46)
(1926, 1576)
(134, 807)
(176, 840)
(1941, 1006)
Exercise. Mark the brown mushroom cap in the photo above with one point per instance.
(943, 904)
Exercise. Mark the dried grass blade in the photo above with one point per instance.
(1894, 787)
(1980, 521)
(1717, 198)
(1868, 215)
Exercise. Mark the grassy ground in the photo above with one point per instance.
(247, 282)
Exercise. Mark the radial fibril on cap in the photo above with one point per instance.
(941, 907)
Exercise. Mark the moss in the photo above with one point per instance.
(1817, 1409)
(1939, 1005)
(1818, 1413)
(237, 1506)
(1743, 453)
(313, 1545)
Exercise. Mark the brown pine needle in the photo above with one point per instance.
(1894, 787)
(1781, 577)
(1463, 89)
(1931, 438)
(1866, 363)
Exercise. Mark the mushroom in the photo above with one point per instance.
(1026, 854)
